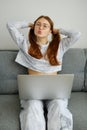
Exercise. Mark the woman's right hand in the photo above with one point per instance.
(31, 25)
(55, 31)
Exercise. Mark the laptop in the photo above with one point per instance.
(45, 86)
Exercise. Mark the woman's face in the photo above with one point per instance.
(42, 28)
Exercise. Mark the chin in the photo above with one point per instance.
(41, 36)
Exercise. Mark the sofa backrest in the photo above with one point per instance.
(9, 71)
(86, 70)
(73, 62)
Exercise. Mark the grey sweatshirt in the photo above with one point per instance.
(41, 65)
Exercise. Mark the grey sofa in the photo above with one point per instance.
(74, 61)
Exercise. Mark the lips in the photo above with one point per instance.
(39, 32)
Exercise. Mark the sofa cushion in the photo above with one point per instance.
(74, 63)
(78, 108)
(86, 77)
(9, 112)
(9, 70)
(86, 70)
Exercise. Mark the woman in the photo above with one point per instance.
(43, 57)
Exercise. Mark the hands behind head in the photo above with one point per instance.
(55, 31)
(31, 25)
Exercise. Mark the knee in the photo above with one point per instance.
(58, 103)
(35, 103)
(32, 113)
(32, 108)
(27, 104)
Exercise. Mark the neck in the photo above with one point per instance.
(42, 41)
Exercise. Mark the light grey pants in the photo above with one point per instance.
(58, 116)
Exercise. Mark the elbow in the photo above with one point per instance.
(76, 36)
(9, 25)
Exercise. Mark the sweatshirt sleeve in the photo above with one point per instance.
(70, 37)
(17, 36)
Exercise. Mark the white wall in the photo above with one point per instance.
(69, 14)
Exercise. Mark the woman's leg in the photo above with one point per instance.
(59, 117)
(32, 115)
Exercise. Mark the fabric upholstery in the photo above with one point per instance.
(74, 62)
(86, 70)
(9, 112)
(9, 70)
(10, 109)
(78, 107)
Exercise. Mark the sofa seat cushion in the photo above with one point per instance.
(9, 112)
(9, 70)
(74, 63)
(78, 107)
(10, 109)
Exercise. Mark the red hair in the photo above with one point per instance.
(52, 48)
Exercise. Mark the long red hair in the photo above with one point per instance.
(52, 48)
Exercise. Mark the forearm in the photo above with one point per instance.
(70, 38)
(70, 33)
(17, 25)
(17, 36)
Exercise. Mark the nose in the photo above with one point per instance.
(41, 27)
